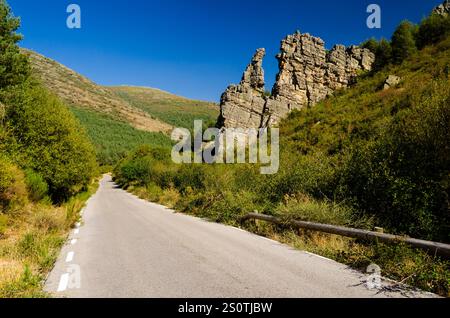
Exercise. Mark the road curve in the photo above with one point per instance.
(126, 247)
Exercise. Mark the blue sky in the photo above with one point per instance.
(194, 48)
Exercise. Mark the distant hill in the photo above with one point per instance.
(118, 119)
(172, 109)
(78, 91)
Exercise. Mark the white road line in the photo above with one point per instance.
(69, 257)
(63, 282)
(73, 242)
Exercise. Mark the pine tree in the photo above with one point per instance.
(432, 30)
(383, 54)
(403, 42)
(14, 67)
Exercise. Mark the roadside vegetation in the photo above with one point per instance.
(47, 167)
(366, 157)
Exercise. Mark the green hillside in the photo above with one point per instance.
(118, 119)
(169, 108)
(113, 139)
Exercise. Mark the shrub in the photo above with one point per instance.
(13, 191)
(37, 187)
(51, 141)
(3, 224)
(382, 51)
(403, 178)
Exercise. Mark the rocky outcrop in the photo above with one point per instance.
(443, 9)
(391, 81)
(243, 105)
(307, 75)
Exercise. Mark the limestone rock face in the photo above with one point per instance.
(443, 9)
(243, 105)
(254, 74)
(307, 75)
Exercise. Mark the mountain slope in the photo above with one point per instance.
(172, 109)
(78, 91)
(118, 119)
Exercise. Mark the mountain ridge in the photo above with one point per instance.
(78, 91)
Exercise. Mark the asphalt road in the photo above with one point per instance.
(126, 247)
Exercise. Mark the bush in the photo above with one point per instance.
(37, 187)
(13, 191)
(51, 141)
(382, 51)
(3, 224)
(404, 178)
(303, 208)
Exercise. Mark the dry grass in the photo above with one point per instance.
(79, 91)
(31, 244)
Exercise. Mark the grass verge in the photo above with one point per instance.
(31, 242)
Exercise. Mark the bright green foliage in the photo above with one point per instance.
(403, 178)
(14, 68)
(36, 130)
(13, 192)
(403, 42)
(37, 187)
(432, 30)
(50, 140)
(114, 139)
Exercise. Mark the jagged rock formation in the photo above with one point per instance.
(308, 74)
(443, 9)
(244, 103)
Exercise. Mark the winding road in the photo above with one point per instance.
(127, 247)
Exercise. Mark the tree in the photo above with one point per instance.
(371, 44)
(383, 54)
(51, 142)
(403, 42)
(382, 51)
(14, 67)
(432, 30)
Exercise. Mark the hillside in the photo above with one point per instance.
(78, 91)
(169, 108)
(118, 119)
